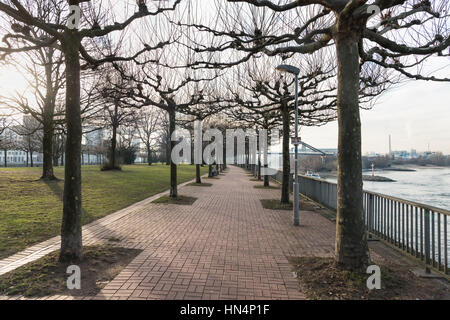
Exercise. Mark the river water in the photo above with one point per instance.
(429, 186)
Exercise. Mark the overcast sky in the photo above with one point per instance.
(415, 114)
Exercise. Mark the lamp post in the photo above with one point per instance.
(295, 71)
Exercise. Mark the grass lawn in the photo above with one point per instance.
(31, 210)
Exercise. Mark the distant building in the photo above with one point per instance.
(401, 155)
(15, 157)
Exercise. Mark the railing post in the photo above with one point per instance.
(371, 209)
(427, 241)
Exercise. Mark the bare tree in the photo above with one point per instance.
(409, 32)
(71, 41)
(44, 72)
(147, 125)
(7, 138)
(128, 146)
(115, 113)
(172, 94)
(268, 101)
(31, 133)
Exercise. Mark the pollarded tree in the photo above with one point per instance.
(171, 91)
(71, 39)
(7, 136)
(147, 124)
(44, 75)
(31, 132)
(114, 112)
(409, 32)
(316, 96)
(266, 92)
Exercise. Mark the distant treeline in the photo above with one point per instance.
(315, 163)
(436, 159)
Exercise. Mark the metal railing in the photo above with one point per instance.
(418, 229)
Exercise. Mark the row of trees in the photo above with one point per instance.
(397, 42)
(139, 135)
(435, 159)
(219, 68)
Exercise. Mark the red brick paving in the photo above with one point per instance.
(224, 246)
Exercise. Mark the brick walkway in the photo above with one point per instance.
(224, 246)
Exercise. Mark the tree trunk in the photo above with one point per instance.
(48, 126)
(55, 151)
(6, 160)
(113, 147)
(266, 177)
(31, 159)
(71, 237)
(198, 178)
(286, 156)
(27, 159)
(351, 243)
(47, 145)
(149, 156)
(114, 137)
(224, 166)
(168, 146)
(259, 167)
(210, 171)
(63, 146)
(173, 166)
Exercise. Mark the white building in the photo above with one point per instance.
(14, 156)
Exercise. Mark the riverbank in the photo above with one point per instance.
(377, 179)
(333, 175)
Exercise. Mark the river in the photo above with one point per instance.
(429, 186)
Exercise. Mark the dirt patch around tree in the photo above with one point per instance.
(320, 278)
(275, 204)
(46, 276)
(203, 184)
(261, 186)
(180, 200)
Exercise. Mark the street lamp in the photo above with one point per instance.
(295, 71)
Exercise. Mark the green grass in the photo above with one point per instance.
(31, 210)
